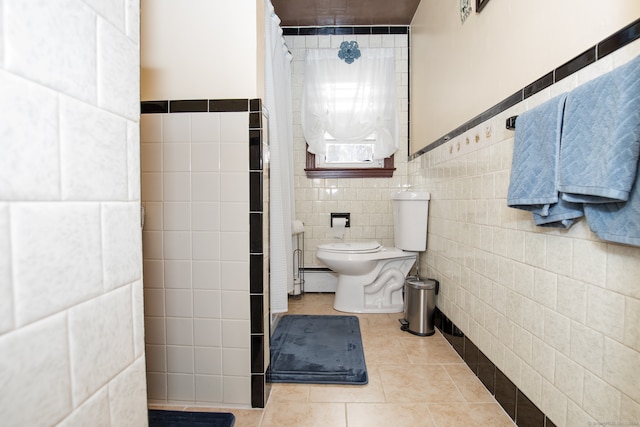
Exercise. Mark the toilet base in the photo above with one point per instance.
(380, 291)
(351, 296)
(393, 308)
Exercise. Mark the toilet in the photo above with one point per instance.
(370, 276)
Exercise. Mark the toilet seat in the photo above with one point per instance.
(365, 247)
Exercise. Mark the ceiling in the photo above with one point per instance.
(320, 13)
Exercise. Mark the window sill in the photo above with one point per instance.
(314, 172)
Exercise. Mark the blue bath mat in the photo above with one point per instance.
(159, 418)
(312, 349)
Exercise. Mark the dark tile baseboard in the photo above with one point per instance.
(514, 402)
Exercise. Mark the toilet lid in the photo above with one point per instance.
(352, 247)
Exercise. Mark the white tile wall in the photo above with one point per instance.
(118, 64)
(235, 247)
(205, 275)
(71, 317)
(209, 388)
(208, 360)
(94, 411)
(121, 243)
(207, 304)
(32, 154)
(45, 55)
(35, 368)
(132, 410)
(195, 188)
(205, 128)
(94, 152)
(234, 278)
(6, 291)
(95, 361)
(46, 280)
(572, 302)
(236, 389)
(179, 331)
(179, 359)
(368, 200)
(180, 387)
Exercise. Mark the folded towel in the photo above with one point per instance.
(534, 170)
(532, 186)
(601, 137)
(560, 215)
(617, 222)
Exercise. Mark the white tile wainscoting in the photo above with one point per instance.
(555, 310)
(204, 240)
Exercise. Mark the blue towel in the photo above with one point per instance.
(534, 170)
(532, 185)
(560, 215)
(601, 137)
(617, 222)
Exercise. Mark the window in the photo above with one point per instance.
(354, 155)
(312, 171)
(349, 117)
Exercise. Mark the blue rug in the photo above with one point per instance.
(159, 418)
(311, 349)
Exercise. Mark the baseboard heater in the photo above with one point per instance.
(319, 279)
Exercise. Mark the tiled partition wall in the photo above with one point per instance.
(367, 199)
(547, 318)
(71, 320)
(205, 192)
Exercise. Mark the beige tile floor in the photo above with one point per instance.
(413, 381)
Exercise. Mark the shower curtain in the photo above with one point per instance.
(281, 201)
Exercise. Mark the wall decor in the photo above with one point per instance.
(349, 51)
(480, 4)
(465, 9)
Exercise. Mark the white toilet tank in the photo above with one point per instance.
(410, 217)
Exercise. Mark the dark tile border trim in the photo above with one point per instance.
(189, 106)
(200, 106)
(340, 30)
(503, 105)
(514, 402)
(226, 105)
(154, 107)
(258, 295)
(621, 38)
(535, 87)
(612, 43)
(587, 57)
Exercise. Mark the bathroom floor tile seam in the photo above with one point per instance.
(413, 381)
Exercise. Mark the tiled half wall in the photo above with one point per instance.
(548, 319)
(205, 247)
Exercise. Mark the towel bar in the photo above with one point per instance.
(511, 123)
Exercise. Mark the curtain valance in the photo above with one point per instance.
(350, 101)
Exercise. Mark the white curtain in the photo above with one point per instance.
(350, 101)
(281, 198)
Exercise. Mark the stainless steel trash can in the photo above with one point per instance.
(419, 306)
